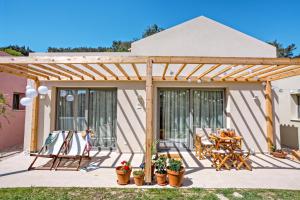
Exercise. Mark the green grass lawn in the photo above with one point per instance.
(120, 193)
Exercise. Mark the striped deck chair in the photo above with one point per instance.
(79, 148)
(54, 145)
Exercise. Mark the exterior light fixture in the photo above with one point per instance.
(70, 98)
(199, 81)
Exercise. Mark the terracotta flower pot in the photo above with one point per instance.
(123, 176)
(161, 179)
(139, 180)
(176, 178)
(280, 154)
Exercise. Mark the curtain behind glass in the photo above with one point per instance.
(72, 115)
(102, 116)
(174, 115)
(208, 109)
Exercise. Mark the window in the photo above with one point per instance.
(16, 101)
(79, 109)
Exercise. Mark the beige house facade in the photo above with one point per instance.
(240, 106)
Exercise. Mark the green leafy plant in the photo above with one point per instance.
(174, 165)
(161, 165)
(138, 172)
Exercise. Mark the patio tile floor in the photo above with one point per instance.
(268, 172)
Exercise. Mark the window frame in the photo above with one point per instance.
(20, 96)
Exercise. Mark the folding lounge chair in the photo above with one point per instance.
(79, 149)
(54, 145)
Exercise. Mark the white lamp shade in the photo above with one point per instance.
(31, 93)
(43, 90)
(63, 93)
(25, 101)
(28, 87)
(70, 97)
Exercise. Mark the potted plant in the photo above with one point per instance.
(123, 172)
(175, 172)
(138, 177)
(278, 153)
(161, 173)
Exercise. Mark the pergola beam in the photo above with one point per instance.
(237, 71)
(77, 69)
(223, 71)
(66, 71)
(165, 71)
(103, 66)
(18, 73)
(225, 60)
(94, 70)
(120, 68)
(280, 71)
(136, 71)
(54, 72)
(269, 69)
(209, 70)
(25, 70)
(179, 71)
(285, 75)
(194, 71)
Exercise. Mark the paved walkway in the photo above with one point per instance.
(268, 172)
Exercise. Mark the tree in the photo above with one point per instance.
(16, 50)
(152, 29)
(284, 52)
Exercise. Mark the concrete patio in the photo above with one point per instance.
(268, 172)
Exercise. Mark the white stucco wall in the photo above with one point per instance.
(202, 36)
(245, 114)
(287, 111)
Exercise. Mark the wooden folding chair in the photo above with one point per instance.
(206, 146)
(78, 150)
(52, 150)
(220, 158)
(241, 159)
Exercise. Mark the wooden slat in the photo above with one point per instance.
(223, 71)
(253, 71)
(72, 66)
(53, 71)
(237, 71)
(280, 71)
(149, 122)
(225, 60)
(66, 70)
(285, 75)
(194, 71)
(35, 121)
(74, 59)
(165, 71)
(136, 71)
(209, 70)
(122, 70)
(108, 70)
(269, 116)
(94, 70)
(179, 71)
(18, 73)
(269, 69)
(25, 70)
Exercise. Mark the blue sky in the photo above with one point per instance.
(72, 23)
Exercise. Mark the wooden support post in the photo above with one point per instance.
(34, 122)
(269, 116)
(149, 122)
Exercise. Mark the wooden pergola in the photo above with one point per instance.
(150, 69)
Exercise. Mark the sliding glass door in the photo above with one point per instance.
(181, 111)
(80, 109)
(174, 118)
